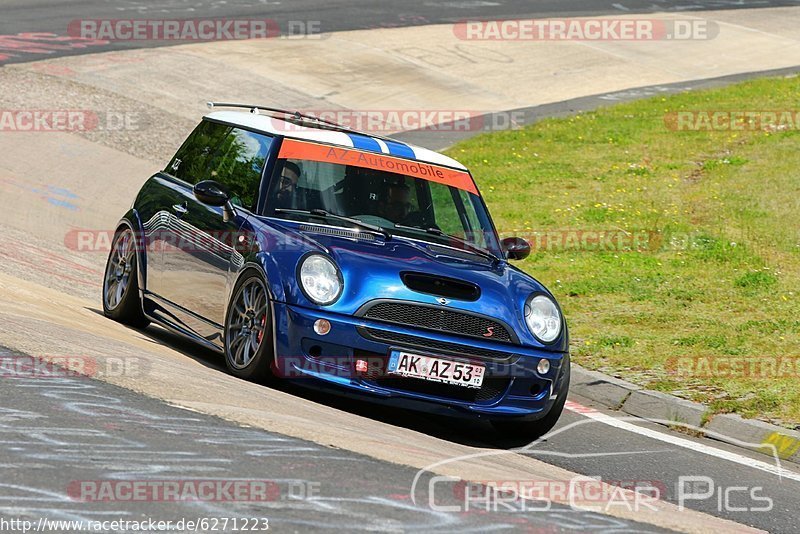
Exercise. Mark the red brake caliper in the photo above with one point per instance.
(263, 326)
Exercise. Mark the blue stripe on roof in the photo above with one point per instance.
(362, 142)
(397, 148)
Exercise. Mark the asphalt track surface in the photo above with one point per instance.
(58, 431)
(46, 16)
(66, 435)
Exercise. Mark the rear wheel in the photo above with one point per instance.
(535, 429)
(121, 300)
(248, 330)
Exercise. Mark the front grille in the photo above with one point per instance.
(431, 345)
(439, 319)
(491, 388)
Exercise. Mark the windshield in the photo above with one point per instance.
(403, 204)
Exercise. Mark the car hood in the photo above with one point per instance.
(372, 269)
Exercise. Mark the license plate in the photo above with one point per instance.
(436, 369)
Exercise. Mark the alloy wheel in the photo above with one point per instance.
(247, 323)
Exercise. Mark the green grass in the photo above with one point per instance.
(719, 273)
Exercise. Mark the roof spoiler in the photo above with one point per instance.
(296, 115)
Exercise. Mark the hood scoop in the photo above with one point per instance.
(440, 286)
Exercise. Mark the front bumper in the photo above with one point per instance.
(512, 386)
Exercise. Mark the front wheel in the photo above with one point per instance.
(121, 300)
(248, 330)
(535, 429)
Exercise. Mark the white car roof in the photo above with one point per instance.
(357, 140)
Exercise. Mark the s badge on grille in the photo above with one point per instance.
(489, 331)
(443, 301)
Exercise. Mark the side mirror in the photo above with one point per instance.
(516, 248)
(213, 194)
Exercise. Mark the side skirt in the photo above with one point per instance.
(175, 318)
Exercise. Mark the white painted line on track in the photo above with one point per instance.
(600, 417)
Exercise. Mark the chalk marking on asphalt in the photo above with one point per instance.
(612, 421)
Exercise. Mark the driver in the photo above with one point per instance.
(287, 185)
(397, 204)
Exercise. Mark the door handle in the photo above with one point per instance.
(180, 209)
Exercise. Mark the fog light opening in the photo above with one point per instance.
(315, 351)
(536, 389)
(322, 326)
(544, 366)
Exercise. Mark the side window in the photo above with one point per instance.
(307, 185)
(476, 234)
(189, 163)
(237, 164)
(445, 211)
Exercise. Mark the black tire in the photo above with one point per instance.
(258, 367)
(532, 430)
(122, 268)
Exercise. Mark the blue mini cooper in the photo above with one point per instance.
(304, 250)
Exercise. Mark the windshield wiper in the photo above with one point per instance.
(322, 214)
(461, 241)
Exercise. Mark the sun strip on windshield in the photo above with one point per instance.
(292, 149)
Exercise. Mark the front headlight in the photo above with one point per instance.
(320, 279)
(543, 318)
